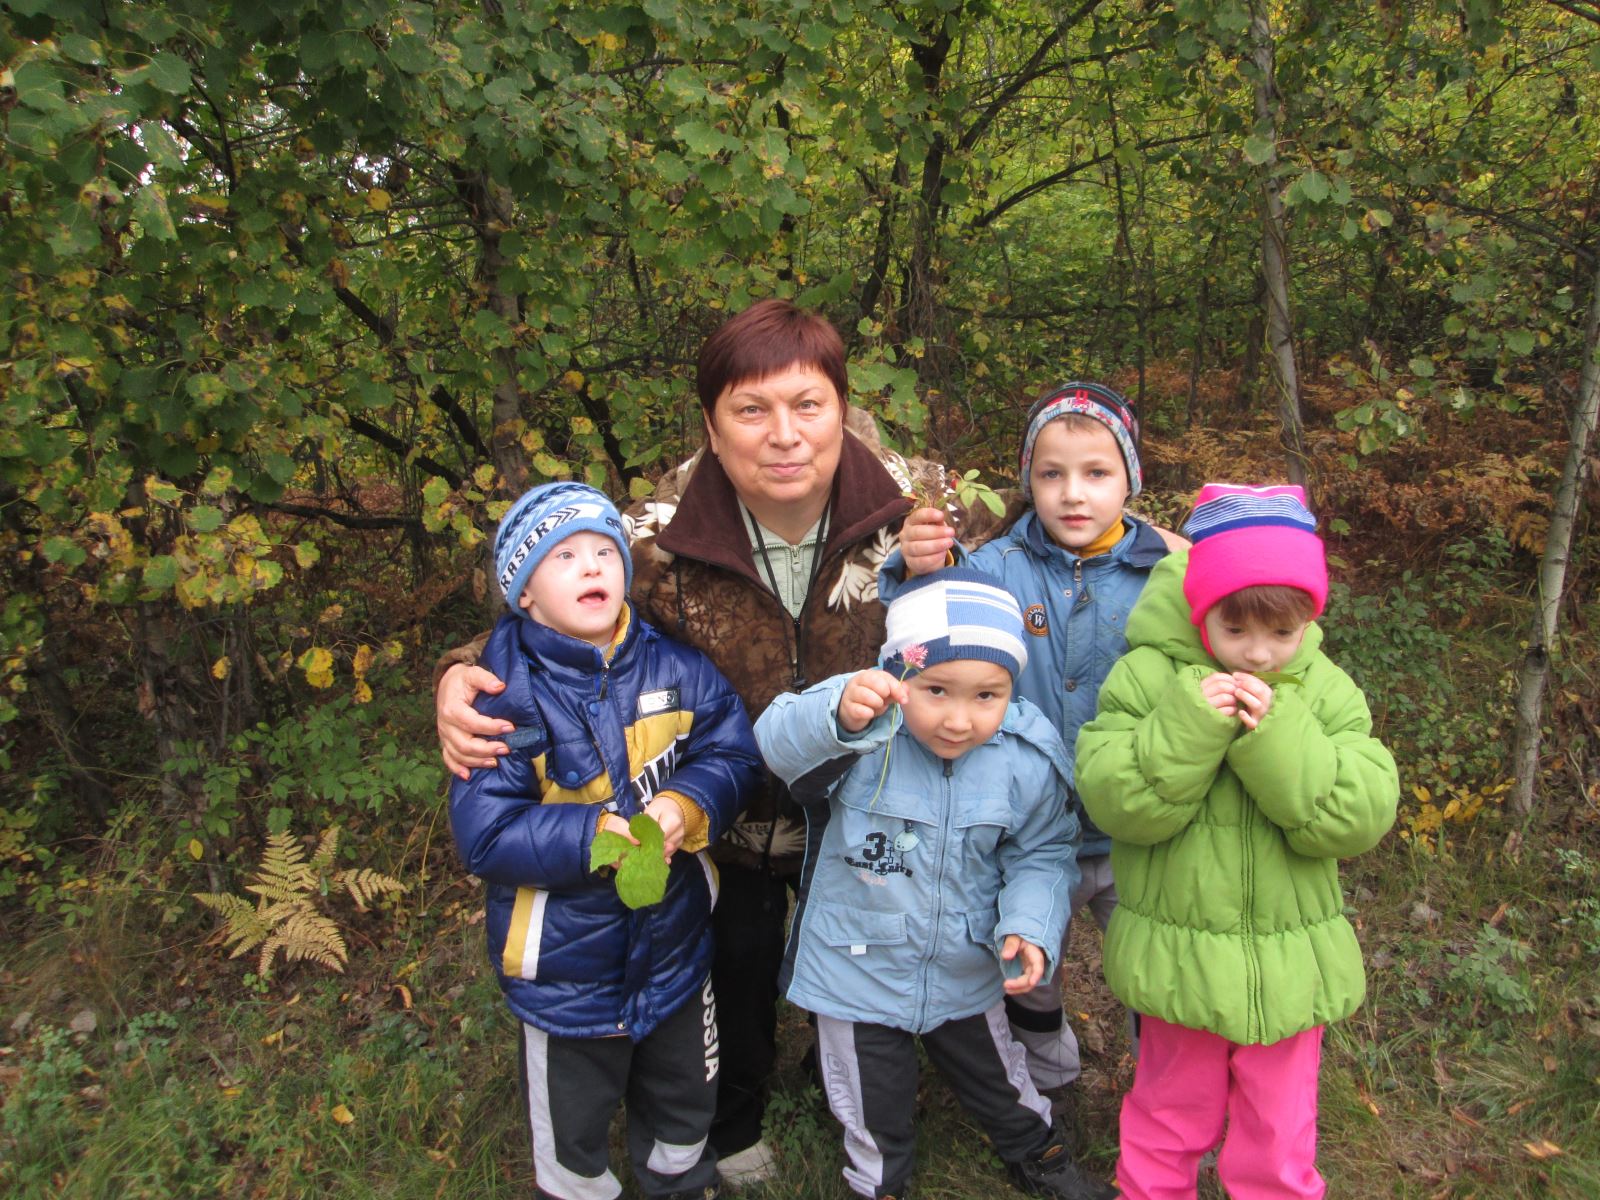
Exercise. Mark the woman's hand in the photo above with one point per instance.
(925, 541)
(463, 730)
(867, 695)
(1032, 964)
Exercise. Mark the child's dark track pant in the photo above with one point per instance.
(870, 1074)
(668, 1082)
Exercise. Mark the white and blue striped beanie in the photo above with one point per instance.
(544, 517)
(950, 614)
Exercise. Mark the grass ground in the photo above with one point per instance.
(134, 1065)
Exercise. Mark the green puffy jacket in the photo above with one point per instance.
(1224, 842)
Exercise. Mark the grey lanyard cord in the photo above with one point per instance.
(796, 683)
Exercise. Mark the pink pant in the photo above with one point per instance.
(1187, 1082)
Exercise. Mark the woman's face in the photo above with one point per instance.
(779, 438)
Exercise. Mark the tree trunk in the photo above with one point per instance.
(164, 700)
(1535, 668)
(492, 218)
(923, 278)
(1275, 256)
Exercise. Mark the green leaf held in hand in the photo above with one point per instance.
(1278, 678)
(641, 869)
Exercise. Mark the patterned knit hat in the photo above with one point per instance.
(950, 614)
(1249, 536)
(544, 517)
(1099, 403)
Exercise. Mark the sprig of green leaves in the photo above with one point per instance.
(641, 868)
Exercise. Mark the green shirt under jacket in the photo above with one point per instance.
(1224, 842)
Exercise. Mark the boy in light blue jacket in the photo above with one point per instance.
(1076, 562)
(940, 858)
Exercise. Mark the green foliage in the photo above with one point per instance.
(1439, 700)
(1489, 970)
(641, 864)
(345, 760)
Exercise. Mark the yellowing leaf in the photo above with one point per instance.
(363, 659)
(377, 200)
(219, 669)
(573, 380)
(363, 692)
(332, 613)
(610, 41)
(1542, 1149)
(317, 663)
(1421, 793)
(306, 555)
(272, 1039)
(196, 850)
(342, 1114)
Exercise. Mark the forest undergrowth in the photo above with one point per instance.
(137, 1060)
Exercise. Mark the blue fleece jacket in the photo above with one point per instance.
(909, 890)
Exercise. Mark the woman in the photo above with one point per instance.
(762, 551)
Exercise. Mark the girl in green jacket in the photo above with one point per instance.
(1233, 764)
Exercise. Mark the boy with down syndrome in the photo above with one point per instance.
(612, 721)
(939, 861)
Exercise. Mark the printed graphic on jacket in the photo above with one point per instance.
(884, 855)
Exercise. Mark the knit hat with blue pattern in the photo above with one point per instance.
(544, 517)
(950, 614)
(1097, 402)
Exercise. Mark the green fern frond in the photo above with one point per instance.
(366, 885)
(276, 890)
(244, 925)
(284, 865)
(327, 847)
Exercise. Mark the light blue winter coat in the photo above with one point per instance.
(905, 935)
(1077, 611)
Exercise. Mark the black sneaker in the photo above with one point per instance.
(1054, 1174)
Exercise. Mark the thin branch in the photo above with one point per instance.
(348, 520)
(403, 449)
(1066, 173)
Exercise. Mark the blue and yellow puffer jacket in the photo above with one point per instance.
(598, 732)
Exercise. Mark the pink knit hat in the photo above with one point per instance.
(1250, 536)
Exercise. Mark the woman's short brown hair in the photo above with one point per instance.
(766, 338)
(1267, 604)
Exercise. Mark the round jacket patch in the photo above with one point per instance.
(1034, 619)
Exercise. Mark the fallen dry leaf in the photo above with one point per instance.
(342, 1115)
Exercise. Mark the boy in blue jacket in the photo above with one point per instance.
(939, 861)
(612, 720)
(1076, 562)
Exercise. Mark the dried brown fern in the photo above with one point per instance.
(286, 918)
